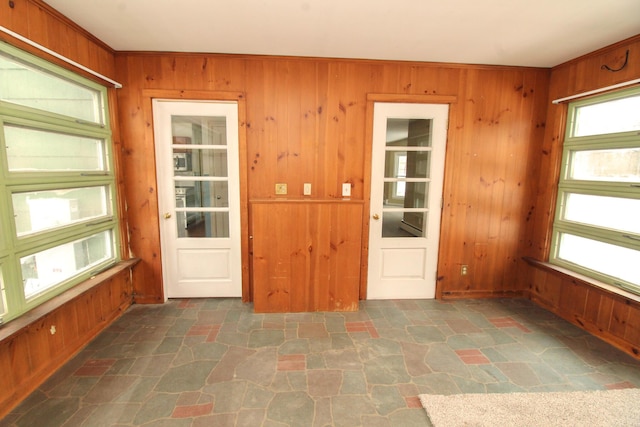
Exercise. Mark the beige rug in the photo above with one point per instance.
(610, 408)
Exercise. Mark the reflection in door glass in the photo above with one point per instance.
(202, 224)
(403, 224)
(413, 195)
(199, 130)
(409, 132)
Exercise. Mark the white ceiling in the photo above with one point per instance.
(540, 33)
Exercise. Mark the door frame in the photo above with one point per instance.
(372, 98)
(202, 95)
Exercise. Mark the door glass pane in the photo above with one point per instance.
(620, 262)
(200, 162)
(36, 88)
(202, 194)
(407, 164)
(403, 224)
(621, 165)
(44, 270)
(408, 132)
(3, 304)
(619, 115)
(415, 194)
(33, 150)
(609, 212)
(199, 130)
(203, 224)
(43, 210)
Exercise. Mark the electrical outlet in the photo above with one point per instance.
(464, 270)
(306, 189)
(346, 189)
(281, 188)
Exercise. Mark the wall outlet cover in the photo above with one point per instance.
(281, 188)
(346, 189)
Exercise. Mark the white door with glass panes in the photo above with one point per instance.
(198, 197)
(407, 172)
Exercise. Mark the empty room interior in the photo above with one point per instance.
(314, 213)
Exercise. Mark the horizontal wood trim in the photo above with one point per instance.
(482, 294)
(306, 201)
(418, 99)
(175, 94)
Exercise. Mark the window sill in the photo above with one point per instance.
(16, 325)
(582, 279)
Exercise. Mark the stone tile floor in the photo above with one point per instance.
(213, 362)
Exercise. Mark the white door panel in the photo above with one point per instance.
(407, 171)
(198, 197)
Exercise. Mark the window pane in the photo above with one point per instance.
(415, 194)
(199, 130)
(203, 224)
(31, 150)
(621, 165)
(42, 210)
(602, 211)
(32, 87)
(44, 270)
(619, 115)
(200, 162)
(619, 262)
(408, 133)
(407, 164)
(403, 224)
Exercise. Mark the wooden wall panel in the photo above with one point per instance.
(39, 22)
(29, 354)
(306, 121)
(604, 314)
(306, 255)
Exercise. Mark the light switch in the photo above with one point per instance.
(346, 189)
(306, 189)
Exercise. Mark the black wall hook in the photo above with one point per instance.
(613, 70)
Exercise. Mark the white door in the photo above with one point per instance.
(407, 173)
(198, 197)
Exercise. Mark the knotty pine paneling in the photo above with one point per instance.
(39, 22)
(306, 255)
(30, 354)
(306, 121)
(612, 318)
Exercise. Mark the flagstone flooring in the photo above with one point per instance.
(213, 362)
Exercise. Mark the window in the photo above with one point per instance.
(57, 185)
(597, 225)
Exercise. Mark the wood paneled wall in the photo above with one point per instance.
(306, 121)
(311, 263)
(612, 317)
(42, 24)
(55, 332)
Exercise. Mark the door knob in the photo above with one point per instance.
(376, 217)
(167, 215)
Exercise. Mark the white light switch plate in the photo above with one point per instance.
(306, 189)
(346, 189)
